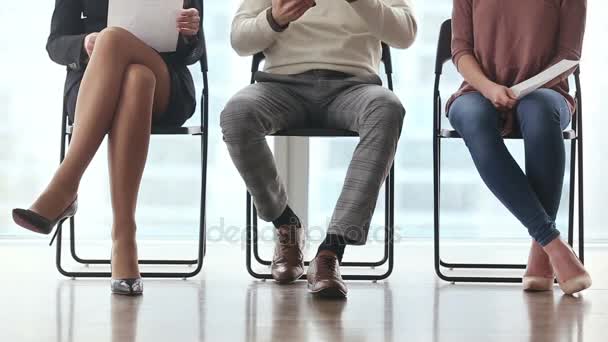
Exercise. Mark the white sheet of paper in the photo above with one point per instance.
(152, 21)
(526, 87)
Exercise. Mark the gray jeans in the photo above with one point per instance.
(319, 99)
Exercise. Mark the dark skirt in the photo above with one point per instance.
(182, 101)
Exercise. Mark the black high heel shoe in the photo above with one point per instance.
(40, 224)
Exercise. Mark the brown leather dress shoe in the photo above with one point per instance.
(288, 260)
(324, 277)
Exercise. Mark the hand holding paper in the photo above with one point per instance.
(152, 21)
(524, 88)
(501, 97)
(189, 22)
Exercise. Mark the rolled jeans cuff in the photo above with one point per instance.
(548, 235)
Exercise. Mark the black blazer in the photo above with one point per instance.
(73, 20)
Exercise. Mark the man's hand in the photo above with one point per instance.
(501, 97)
(89, 43)
(286, 11)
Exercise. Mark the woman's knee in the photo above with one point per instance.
(541, 109)
(470, 114)
(113, 37)
(137, 92)
(139, 75)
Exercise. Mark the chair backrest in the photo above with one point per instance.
(444, 46)
(386, 60)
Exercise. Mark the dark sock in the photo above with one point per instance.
(287, 218)
(333, 243)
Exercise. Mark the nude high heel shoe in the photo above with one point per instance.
(577, 283)
(537, 284)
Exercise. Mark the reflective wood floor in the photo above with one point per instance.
(225, 304)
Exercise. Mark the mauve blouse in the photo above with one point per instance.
(514, 40)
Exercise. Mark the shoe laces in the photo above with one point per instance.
(327, 266)
(287, 241)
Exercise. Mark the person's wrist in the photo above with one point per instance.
(276, 18)
(487, 87)
(275, 23)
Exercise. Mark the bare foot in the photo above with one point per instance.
(53, 203)
(124, 259)
(539, 264)
(570, 272)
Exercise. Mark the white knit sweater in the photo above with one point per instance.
(334, 35)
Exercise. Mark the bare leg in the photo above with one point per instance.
(99, 95)
(128, 144)
(125, 82)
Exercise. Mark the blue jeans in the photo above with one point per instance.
(533, 198)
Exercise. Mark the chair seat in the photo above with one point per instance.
(452, 134)
(193, 130)
(316, 132)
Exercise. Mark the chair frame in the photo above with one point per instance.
(196, 131)
(575, 136)
(252, 217)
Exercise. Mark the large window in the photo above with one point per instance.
(31, 88)
(469, 210)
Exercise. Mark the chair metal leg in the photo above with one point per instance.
(437, 201)
(252, 240)
(572, 186)
(379, 263)
(439, 263)
(201, 242)
(581, 198)
(436, 206)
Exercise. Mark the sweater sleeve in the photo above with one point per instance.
(391, 21)
(65, 44)
(573, 16)
(253, 29)
(462, 30)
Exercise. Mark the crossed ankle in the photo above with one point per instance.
(335, 244)
(287, 218)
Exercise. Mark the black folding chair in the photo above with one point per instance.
(252, 217)
(197, 131)
(575, 136)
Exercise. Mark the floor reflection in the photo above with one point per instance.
(124, 316)
(179, 312)
(561, 321)
(225, 304)
(548, 316)
(293, 314)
